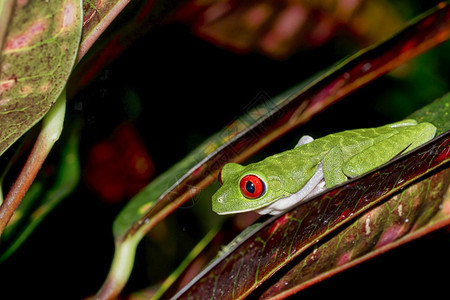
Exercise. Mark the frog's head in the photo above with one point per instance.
(245, 189)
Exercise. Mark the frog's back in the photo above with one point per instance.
(350, 142)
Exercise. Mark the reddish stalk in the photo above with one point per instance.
(50, 132)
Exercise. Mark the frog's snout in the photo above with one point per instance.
(218, 203)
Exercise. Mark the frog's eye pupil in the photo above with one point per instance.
(252, 186)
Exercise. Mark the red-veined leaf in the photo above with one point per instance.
(284, 238)
(281, 30)
(37, 58)
(408, 215)
(97, 16)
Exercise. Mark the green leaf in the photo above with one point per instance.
(436, 113)
(37, 58)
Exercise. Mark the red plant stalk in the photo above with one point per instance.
(50, 132)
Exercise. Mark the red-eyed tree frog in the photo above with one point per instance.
(279, 182)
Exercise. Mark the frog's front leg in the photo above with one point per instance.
(304, 140)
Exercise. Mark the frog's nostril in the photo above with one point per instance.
(220, 200)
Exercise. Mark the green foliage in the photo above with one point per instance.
(437, 113)
(37, 58)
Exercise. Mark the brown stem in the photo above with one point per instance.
(23, 182)
(51, 129)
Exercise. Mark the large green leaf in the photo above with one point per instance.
(39, 53)
(37, 58)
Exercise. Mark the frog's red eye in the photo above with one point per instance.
(252, 186)
(219, 177)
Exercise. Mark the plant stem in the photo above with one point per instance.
(52, 125)
(120, 269)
